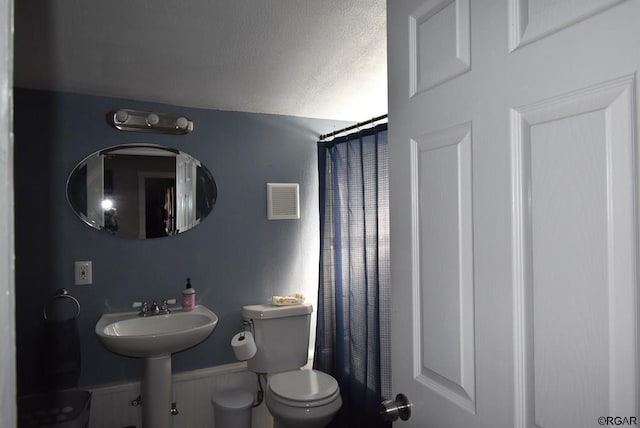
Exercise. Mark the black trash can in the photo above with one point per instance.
(60, 409)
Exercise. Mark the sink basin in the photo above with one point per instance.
(127, 333)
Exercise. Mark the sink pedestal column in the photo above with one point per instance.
(156, 392)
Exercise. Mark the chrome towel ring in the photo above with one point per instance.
(61, 293)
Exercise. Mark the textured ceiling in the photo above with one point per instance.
(310, 58)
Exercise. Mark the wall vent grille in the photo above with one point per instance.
(283, 201)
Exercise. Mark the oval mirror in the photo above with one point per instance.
(141, 191)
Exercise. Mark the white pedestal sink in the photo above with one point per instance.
(154, 338)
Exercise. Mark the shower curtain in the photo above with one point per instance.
(352, 338)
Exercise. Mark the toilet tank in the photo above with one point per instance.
(281, 334)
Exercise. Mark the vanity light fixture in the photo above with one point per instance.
(147, 121)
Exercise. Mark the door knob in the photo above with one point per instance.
(391, 410)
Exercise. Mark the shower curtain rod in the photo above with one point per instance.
(348, 128)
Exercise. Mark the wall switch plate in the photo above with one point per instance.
(83, 273)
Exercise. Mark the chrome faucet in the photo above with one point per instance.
(153, 309)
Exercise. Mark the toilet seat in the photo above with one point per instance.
(304, 388)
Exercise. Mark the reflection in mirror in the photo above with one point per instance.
(141, 191)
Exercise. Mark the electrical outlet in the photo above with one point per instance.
(83, 273)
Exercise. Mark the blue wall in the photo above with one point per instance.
(235, 257)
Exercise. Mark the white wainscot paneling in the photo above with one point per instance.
(440, 43)
(443, 265)
(576, 320)
(192, 392)
(531, 20)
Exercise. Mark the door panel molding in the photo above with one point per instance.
(439, 43)
(600, 121)
(443, 290)
(532, 20)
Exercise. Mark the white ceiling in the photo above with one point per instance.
(310, 58)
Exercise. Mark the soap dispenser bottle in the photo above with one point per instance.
(188, 297)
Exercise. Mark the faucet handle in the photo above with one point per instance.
(143, 305)
(165, 305)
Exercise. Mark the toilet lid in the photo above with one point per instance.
(303, 385)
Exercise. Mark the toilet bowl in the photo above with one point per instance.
(295, 397)
(302, 398)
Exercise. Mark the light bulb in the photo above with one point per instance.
(121, 116)
(182, 123)
(107, 204)
(152, 119)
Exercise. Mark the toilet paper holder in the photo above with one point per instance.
(243, 345)
(247, 325)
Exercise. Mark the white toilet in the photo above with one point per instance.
(295, 397)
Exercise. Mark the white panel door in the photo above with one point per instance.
(186, 168)
(514, 212)
(95, 191)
